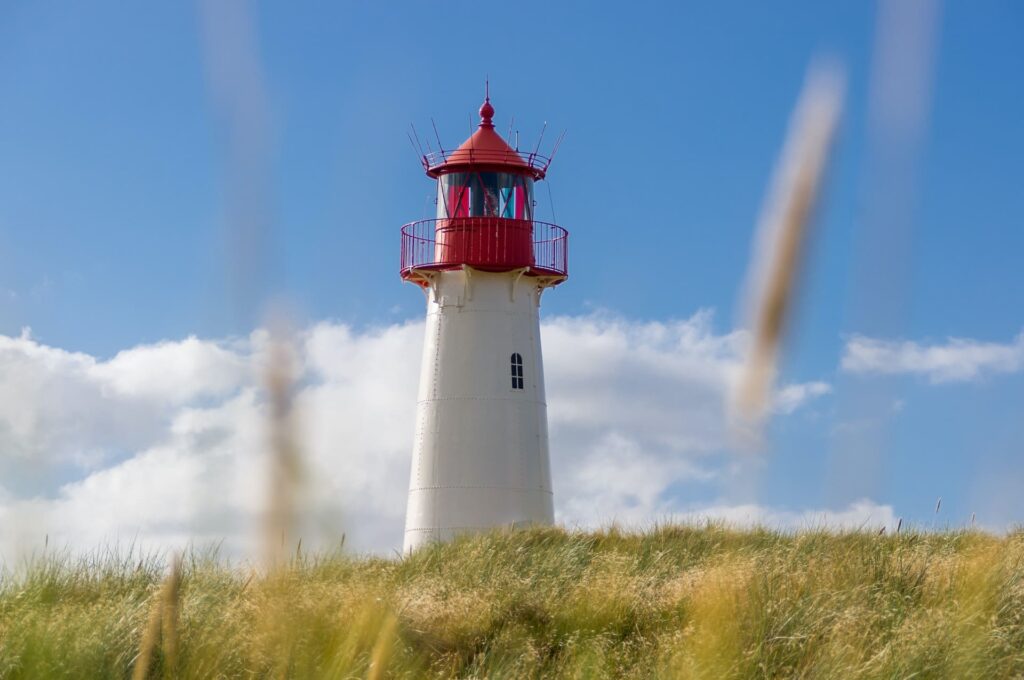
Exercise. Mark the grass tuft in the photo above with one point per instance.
(676, 601)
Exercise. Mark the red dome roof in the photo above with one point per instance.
(486, 150)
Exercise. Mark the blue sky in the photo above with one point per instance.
(118, 156)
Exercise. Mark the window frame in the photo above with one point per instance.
(517, 371)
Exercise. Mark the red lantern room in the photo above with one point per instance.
(485, 213)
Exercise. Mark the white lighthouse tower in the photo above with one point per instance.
(480, 458)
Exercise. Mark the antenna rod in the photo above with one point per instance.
(440, 147)
(539, 140)
(551, 202)
(422, 159)
(508, 138)
(558, 143)
(417, 139)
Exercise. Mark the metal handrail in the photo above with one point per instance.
(534, 161)
(490, 243)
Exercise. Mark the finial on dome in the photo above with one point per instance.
(486, 110)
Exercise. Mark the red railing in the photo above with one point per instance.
(487, 243)
(535, 161)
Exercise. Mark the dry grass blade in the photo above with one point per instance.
(148, 644)
(780, 238)
(171, 606)
(162, 623)
(285, 455)
(382, 649)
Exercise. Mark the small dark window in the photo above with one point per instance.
(517, 371)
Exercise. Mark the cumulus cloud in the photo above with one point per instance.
(163, 444)
(957, 359)
(862, 514)
(175, 372)
(791, 397)
(662, 382)
(59, 407)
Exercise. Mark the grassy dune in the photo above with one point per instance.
(691, 602)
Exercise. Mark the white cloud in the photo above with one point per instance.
(664, 383)
(792, 397)
(616, 479)
(167, 443)
(862, 514)
(55, 409)
(174, 371)
(957, 359)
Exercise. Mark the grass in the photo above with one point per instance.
(690, 602)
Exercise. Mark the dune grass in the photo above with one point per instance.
(690, 602)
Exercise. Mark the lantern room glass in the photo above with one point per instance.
(485, 194)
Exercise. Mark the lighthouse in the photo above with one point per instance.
(480, 455)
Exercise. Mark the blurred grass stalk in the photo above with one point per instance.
(904, 67)
(163, 624)
(779, 244)
(285, 474)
